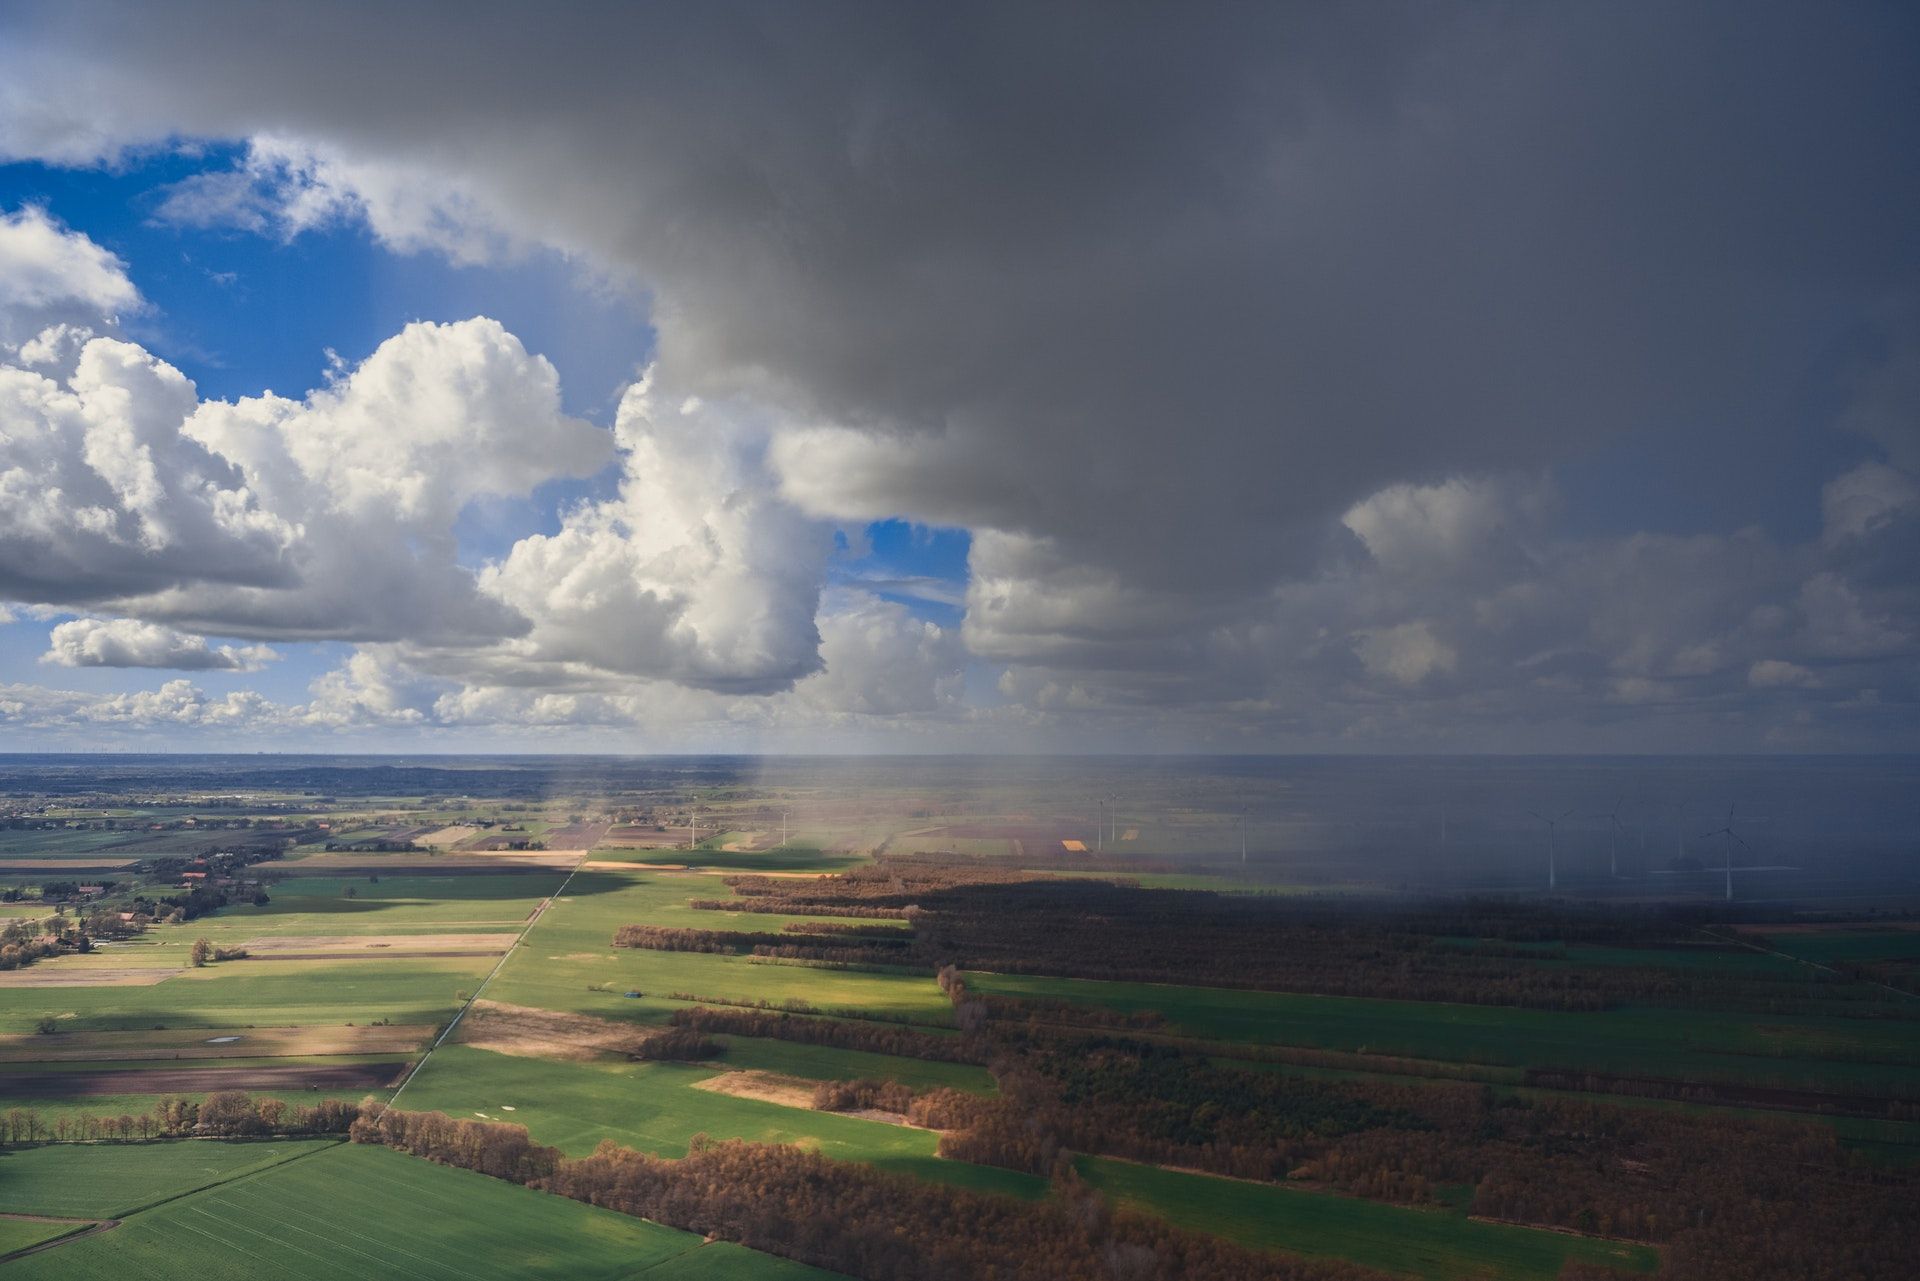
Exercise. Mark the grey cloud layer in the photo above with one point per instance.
(1189, 321)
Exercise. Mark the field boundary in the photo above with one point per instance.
(81, 1228)
(533, 919)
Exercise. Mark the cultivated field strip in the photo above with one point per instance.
(353, 1212)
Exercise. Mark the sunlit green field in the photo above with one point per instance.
(106, 1180)
(654, 1107)
(568, 961)
(352, 1211)
(257, 992)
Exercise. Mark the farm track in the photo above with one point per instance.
(95, 1228)
(533, 918)
(1800, 960)
(105, 1225)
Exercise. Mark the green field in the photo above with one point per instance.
(1842, 946)
(350, 1211)
(98, 1181)
(18, 1234)
(655, 1108)
(824, 1063)
(1860, 1055)
(1438, 1243)
(258, 993)
(792, 857)
(568, 962)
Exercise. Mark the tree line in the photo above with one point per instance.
(225, 1114)
(850, 1218)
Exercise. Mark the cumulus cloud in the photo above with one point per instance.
(1243, 345)
(175, 705)
(127, 642)
(879, 660)
(696, 572)
(101, 494)
(50, 276)
(330, 516)
(1406, 652)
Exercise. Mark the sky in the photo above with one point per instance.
(847, 377)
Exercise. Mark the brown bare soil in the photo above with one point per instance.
(641, 838)
(334, 947)
(62, 972)
(768, 1087)
(545, 1034)
(464, 863)
(577, 836)
(206, 1043)
(344, 1076)
(79, 863)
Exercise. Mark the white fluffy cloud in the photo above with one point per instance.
(127, 642)
(49, 275)
(695, 573)
(101, 494)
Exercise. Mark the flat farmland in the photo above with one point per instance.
(569, 963)
(42, 842)
(781, 858)
(826, 1063)
(309, 947)
(350, 1211)
(656, 1108)
(656, 898)
(333, 1078)
(261, 993)
(18, 1234)
(103, 1181)
(1832, 1054)
(1438, 1244)
(1834, 947)
(321, 905)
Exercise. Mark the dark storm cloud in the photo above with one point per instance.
(1151, 295)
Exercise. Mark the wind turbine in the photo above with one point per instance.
(1553, 871)
(1613, 847)
(1732, 836)
(783, 827)
(1243, 836)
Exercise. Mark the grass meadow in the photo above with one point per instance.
(655, 1108)
(98, 1181)
(350, 1212)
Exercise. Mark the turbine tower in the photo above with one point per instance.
(1732, 836)
(1553, 871)
(1613, 846)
